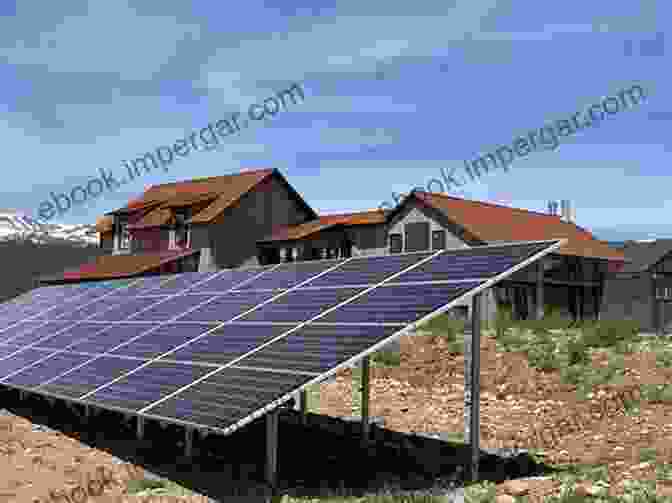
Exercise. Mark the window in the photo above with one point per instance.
(124, 235)
(182, 229)
(438, 240)
(395, 243)
(417, 236)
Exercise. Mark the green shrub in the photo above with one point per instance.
(608, 333)
(573, 374)
(664, 358)
(446, 327)
(656, 393)
(577, 352)
(387, 358)
(503, 320)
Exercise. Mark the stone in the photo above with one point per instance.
(516, 487)
(505, 498)
(585, 489)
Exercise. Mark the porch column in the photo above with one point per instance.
(540, 289)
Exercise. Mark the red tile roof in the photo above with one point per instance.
(492, 222)
(299, 231)
(122, 266)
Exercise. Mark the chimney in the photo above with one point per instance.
(552, 207)
(567, 212)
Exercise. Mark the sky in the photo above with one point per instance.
(395, 93)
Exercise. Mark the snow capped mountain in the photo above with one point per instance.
(15, 225)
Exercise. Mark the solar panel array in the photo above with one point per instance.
(215, 350)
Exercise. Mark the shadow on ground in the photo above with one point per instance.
(323, 457)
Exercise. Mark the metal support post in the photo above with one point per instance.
(303, 406)
(540, 290)
(472, 363)
(272, 448)
(365, 398)
(188, 442)
(140, 433)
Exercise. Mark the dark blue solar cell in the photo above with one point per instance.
(289, 275)
(43, 331)
(126, 309)
(72, 335)
(113, 335)
(138, 287)
(171, 307)
(316, 348)
(228, 342)
(300, 305)
(470, 263)
(19, 329)
(228, 279)
(22, 359)
(80, 381)
(181, 283)
(53, 366)
(228, 396)
(8, 350)
(62, 308)
(89, 310)
(161, 340)
(147, 385)
(226, 307)
(398, 304)
(368, 270)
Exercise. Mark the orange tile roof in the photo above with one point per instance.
(123, 266)
(492, 222)
(299, 231)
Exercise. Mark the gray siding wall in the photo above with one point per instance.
(241, 226)
(628, 298)
(413, 215)
(107, 242)
(369, 239)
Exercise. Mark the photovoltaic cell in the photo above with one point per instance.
(88, 310)
(229, 279)
(18, 329)
(228, 342)
(317, 348)
(470, 263)
(77, 332)
(161, 340)
(20, 360)
(51, 367)
(172, 307)
(124, 310)
(180, 282)
(48, 329)
(289, 275)
(147, 385)
(300, 305)
(136, 287)
(227, 306)
(8, 350)
(111, 336)
(228, 396)
(367, 271)
(398, 304)
(89, 377)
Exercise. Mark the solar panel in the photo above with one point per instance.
(179, 282)
(262, 336)
(300, 305)
(161, 339)
(288, 275)
(228, 342)
(147, 385)
(18, 329)
(84, 379)
(317, 348)
(46, 369)
(225, 307)
(44, 330)
(167, 309)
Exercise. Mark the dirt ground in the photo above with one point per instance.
(521, 407)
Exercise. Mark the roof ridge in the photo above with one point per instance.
(210, 178)
(497, 205)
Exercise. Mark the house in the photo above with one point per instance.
(642, 289)
(256, 217)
